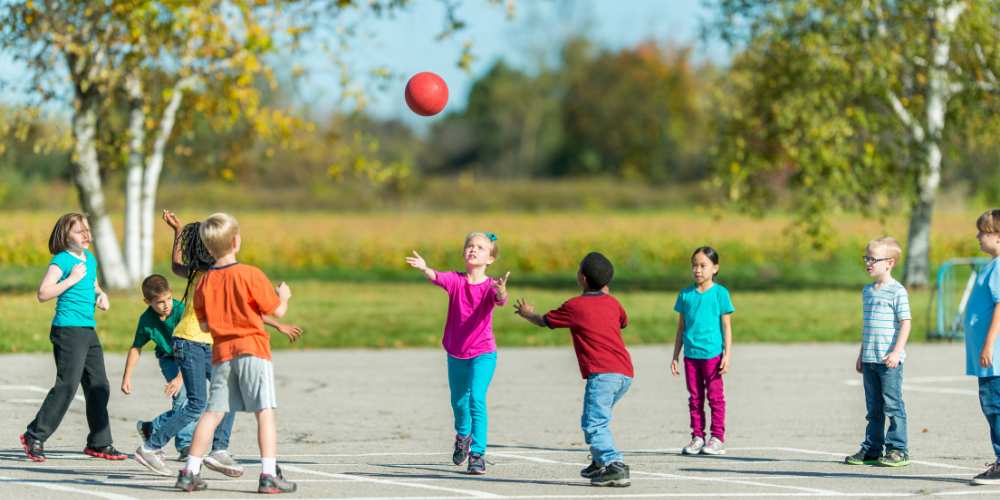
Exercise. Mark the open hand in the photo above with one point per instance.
(173, 387)
(171, 220)
(522, 308)
(291, 331)
(417, 262)
(500, 285)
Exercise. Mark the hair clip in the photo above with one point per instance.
(491, 236)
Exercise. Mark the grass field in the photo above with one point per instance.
(384, 315)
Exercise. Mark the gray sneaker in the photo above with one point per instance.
(694, 447)
(275, 484)
(222, 462)
(714, 447)
(989, 477)
(152, 460)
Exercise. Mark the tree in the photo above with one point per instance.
(850, 103)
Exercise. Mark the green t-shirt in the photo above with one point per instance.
(161, 332)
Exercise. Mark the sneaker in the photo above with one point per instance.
(990, 476)
(145, 429)
(894, 458)
(461, 452)
(33, 448)
(106, 452)
(477, 464)
(613, 474)
(862, 458)
(183, 453)
(694, 447)
(591, 470)
(152, 460)
(275, 484)
(222, 462)
(714, 447)
(189, 482)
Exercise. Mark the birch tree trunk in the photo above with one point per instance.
(86, 175)
(133, 180)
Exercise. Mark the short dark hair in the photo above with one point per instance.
(596, 270)
(153, 286)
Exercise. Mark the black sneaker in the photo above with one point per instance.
(275, 484)
(461, 452)
(106, 452)
(613, 474)
(990, 476)
(477, 464)
(182, 454)
(33, 448)
(861, 458)
(186, 481)
(144, 429)
(591, 470)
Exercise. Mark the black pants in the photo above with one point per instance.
(79, 360)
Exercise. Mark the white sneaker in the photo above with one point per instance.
(152, 460)
(222, 462)
(714, 447)
(694, 447)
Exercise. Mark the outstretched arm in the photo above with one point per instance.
(418, 262)
(291, 331)
(177, 266)
(527, 311)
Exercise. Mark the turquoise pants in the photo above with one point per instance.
(469, 379)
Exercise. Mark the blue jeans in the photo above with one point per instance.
(884, 398)
(599, 398)
(469, 379)
(989, 401)
(194, 360)
(169, 369)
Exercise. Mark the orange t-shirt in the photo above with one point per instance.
(232, 299)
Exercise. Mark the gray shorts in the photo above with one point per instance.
(245, 383)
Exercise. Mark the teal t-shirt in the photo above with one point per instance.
(702, 312)
(75, 307)
(161, 332)
(983, 299)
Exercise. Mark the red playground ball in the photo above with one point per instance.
(426, 93)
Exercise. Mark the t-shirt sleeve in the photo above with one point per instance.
(902, 305)
(995, 285)
(262, 292)
(141, 336)
(679, 303)
(559, 318)
(725, 302)
(623, 316)
(59, 260)
(446, 280)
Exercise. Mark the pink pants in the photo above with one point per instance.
(703, 378)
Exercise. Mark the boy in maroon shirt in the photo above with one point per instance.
(595, 320)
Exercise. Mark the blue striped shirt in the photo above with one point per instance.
(883, 309)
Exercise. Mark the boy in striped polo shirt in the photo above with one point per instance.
(886, 315)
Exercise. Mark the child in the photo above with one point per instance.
(229, 301)
(469, 342)
(982, 323)
(157, 325)
(886, 320)
(72, 277)
(595, 320)
(705, 329)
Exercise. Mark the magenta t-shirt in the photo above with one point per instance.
(468, 331)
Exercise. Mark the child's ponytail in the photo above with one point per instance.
(194, 254)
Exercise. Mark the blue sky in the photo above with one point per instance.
(405, 44)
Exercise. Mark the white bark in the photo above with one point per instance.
(86, 174)
(133, 180)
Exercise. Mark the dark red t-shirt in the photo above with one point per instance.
(595, 320)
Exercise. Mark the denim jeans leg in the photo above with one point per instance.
(989, 401)
(169, 369)
(603, 390)
(894, 408)
(874, 432)
(190, 357)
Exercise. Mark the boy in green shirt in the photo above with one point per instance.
(157, 325)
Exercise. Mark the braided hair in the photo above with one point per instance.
(194, 255)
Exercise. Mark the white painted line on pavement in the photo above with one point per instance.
(467, 492)
(50, 485)
(842, 454)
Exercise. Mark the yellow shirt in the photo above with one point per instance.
(188, 328)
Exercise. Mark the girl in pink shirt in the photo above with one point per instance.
(469, 342)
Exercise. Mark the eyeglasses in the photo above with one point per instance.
(873, 260)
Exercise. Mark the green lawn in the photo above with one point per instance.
(383, 315)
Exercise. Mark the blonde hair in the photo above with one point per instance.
(889, 244)
(217, 233)
(59, 239)
(989, 222)
(490, 237)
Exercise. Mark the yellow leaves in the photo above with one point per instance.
(227, 174)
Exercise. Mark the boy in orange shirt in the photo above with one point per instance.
(230, 301)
